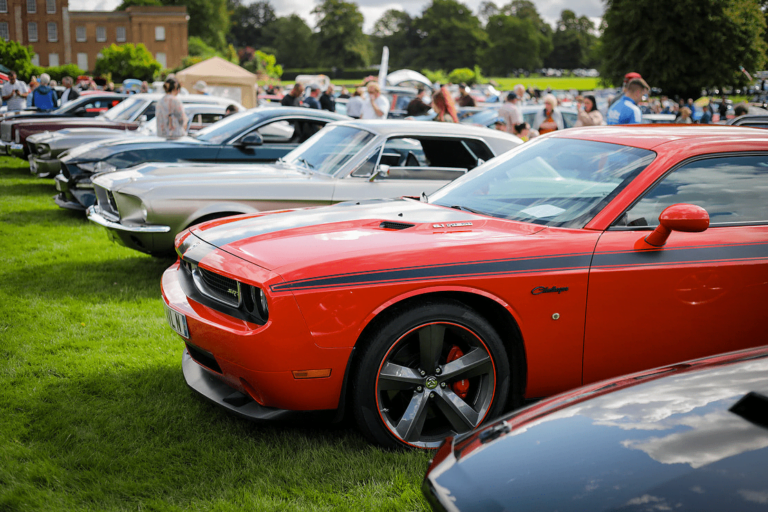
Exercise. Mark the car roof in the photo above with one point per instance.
(388, 127)
(278, 110)
(649, 136)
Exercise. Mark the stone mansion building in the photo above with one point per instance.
(60, 36)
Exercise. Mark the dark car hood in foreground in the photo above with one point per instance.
(663, 441)
(357, 232)
(103, 149)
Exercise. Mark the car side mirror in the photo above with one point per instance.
(381, 170)
(252, 139)
(142, 119)
(687, 218)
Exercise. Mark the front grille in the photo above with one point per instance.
(204, 358)
(106, 201)
(220, 287)
(5, 132)
(395, 225)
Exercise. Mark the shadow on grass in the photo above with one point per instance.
(135, 277)
(44, 217)
(28, 189)
(139, 435)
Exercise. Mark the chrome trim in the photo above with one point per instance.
(99, 219)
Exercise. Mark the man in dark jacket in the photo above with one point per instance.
(293, 98)
(311, 99)
(417, 107)
(327, 100)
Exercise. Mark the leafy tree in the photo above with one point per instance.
(17, 57)
(208, 19)
(292, 41)
(340, 34)
(248, 23)
(264, 64)
(572, 41)
(514, 43)
(59, 72)
(461, 75)
(450, 35)
(438, 76)
(526, 10)
(395, 30)
(714, 37)
(127, 61)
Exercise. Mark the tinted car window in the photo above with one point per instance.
(732, 189)
(556, 182)
(228, 127)
(125, 110)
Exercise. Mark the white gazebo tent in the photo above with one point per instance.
(223, 79)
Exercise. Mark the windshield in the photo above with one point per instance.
(555, 181)
(150, 127)
(329, 149)
(125, 110)
(221, 131)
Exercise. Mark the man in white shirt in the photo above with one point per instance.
(510, 112)
(376, 106)
(69, 94)
(15, 93)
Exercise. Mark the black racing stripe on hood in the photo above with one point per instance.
(453, 271)
(194, 249)
(413, 212)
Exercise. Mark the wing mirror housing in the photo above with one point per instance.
(252, 139)
(381, 171)
(142, 119)
(687, 218)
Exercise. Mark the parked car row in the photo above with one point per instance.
(427, 278)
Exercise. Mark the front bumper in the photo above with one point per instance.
(4, 146)
(255, 361)
(152, 239)
(71, 196)
(43, 168)
(16, 150)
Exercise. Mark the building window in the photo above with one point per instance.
(53, 32)
(159, 33)
(3, 5)
(36, 60)
(99, 55)
(50, 6)
(31, 6)
(120, 34)
(32, 31)
(53, 60)
(82, 61)
(4, 31)
(160, 57)
(101, 34)
(80, 34)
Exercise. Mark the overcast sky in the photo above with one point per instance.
(373, 9)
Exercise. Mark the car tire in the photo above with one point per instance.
(408, 389)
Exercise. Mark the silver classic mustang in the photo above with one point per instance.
(145, 206)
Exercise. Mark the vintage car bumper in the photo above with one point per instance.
(4, 146)
(73, 196)
(43, 167)
(248, 368)
(16, 150)
(141, 237)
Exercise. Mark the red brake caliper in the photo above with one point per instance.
(460, 387)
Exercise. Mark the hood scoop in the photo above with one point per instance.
(753, 407)
(395, 225)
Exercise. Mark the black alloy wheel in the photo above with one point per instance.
(433, 371)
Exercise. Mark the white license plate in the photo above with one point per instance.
(177, 321)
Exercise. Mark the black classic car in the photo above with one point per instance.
(257, 135)
(690, 436)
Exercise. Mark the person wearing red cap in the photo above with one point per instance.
(627, 78)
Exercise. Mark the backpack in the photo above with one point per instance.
(43, 101)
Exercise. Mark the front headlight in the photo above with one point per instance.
(44, 150)
(255, 301)
(97, 167)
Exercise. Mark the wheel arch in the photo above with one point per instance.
(216, 211)
(501, 316)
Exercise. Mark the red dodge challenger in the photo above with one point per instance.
(585, 254)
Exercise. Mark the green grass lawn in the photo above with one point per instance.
(95, 411)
